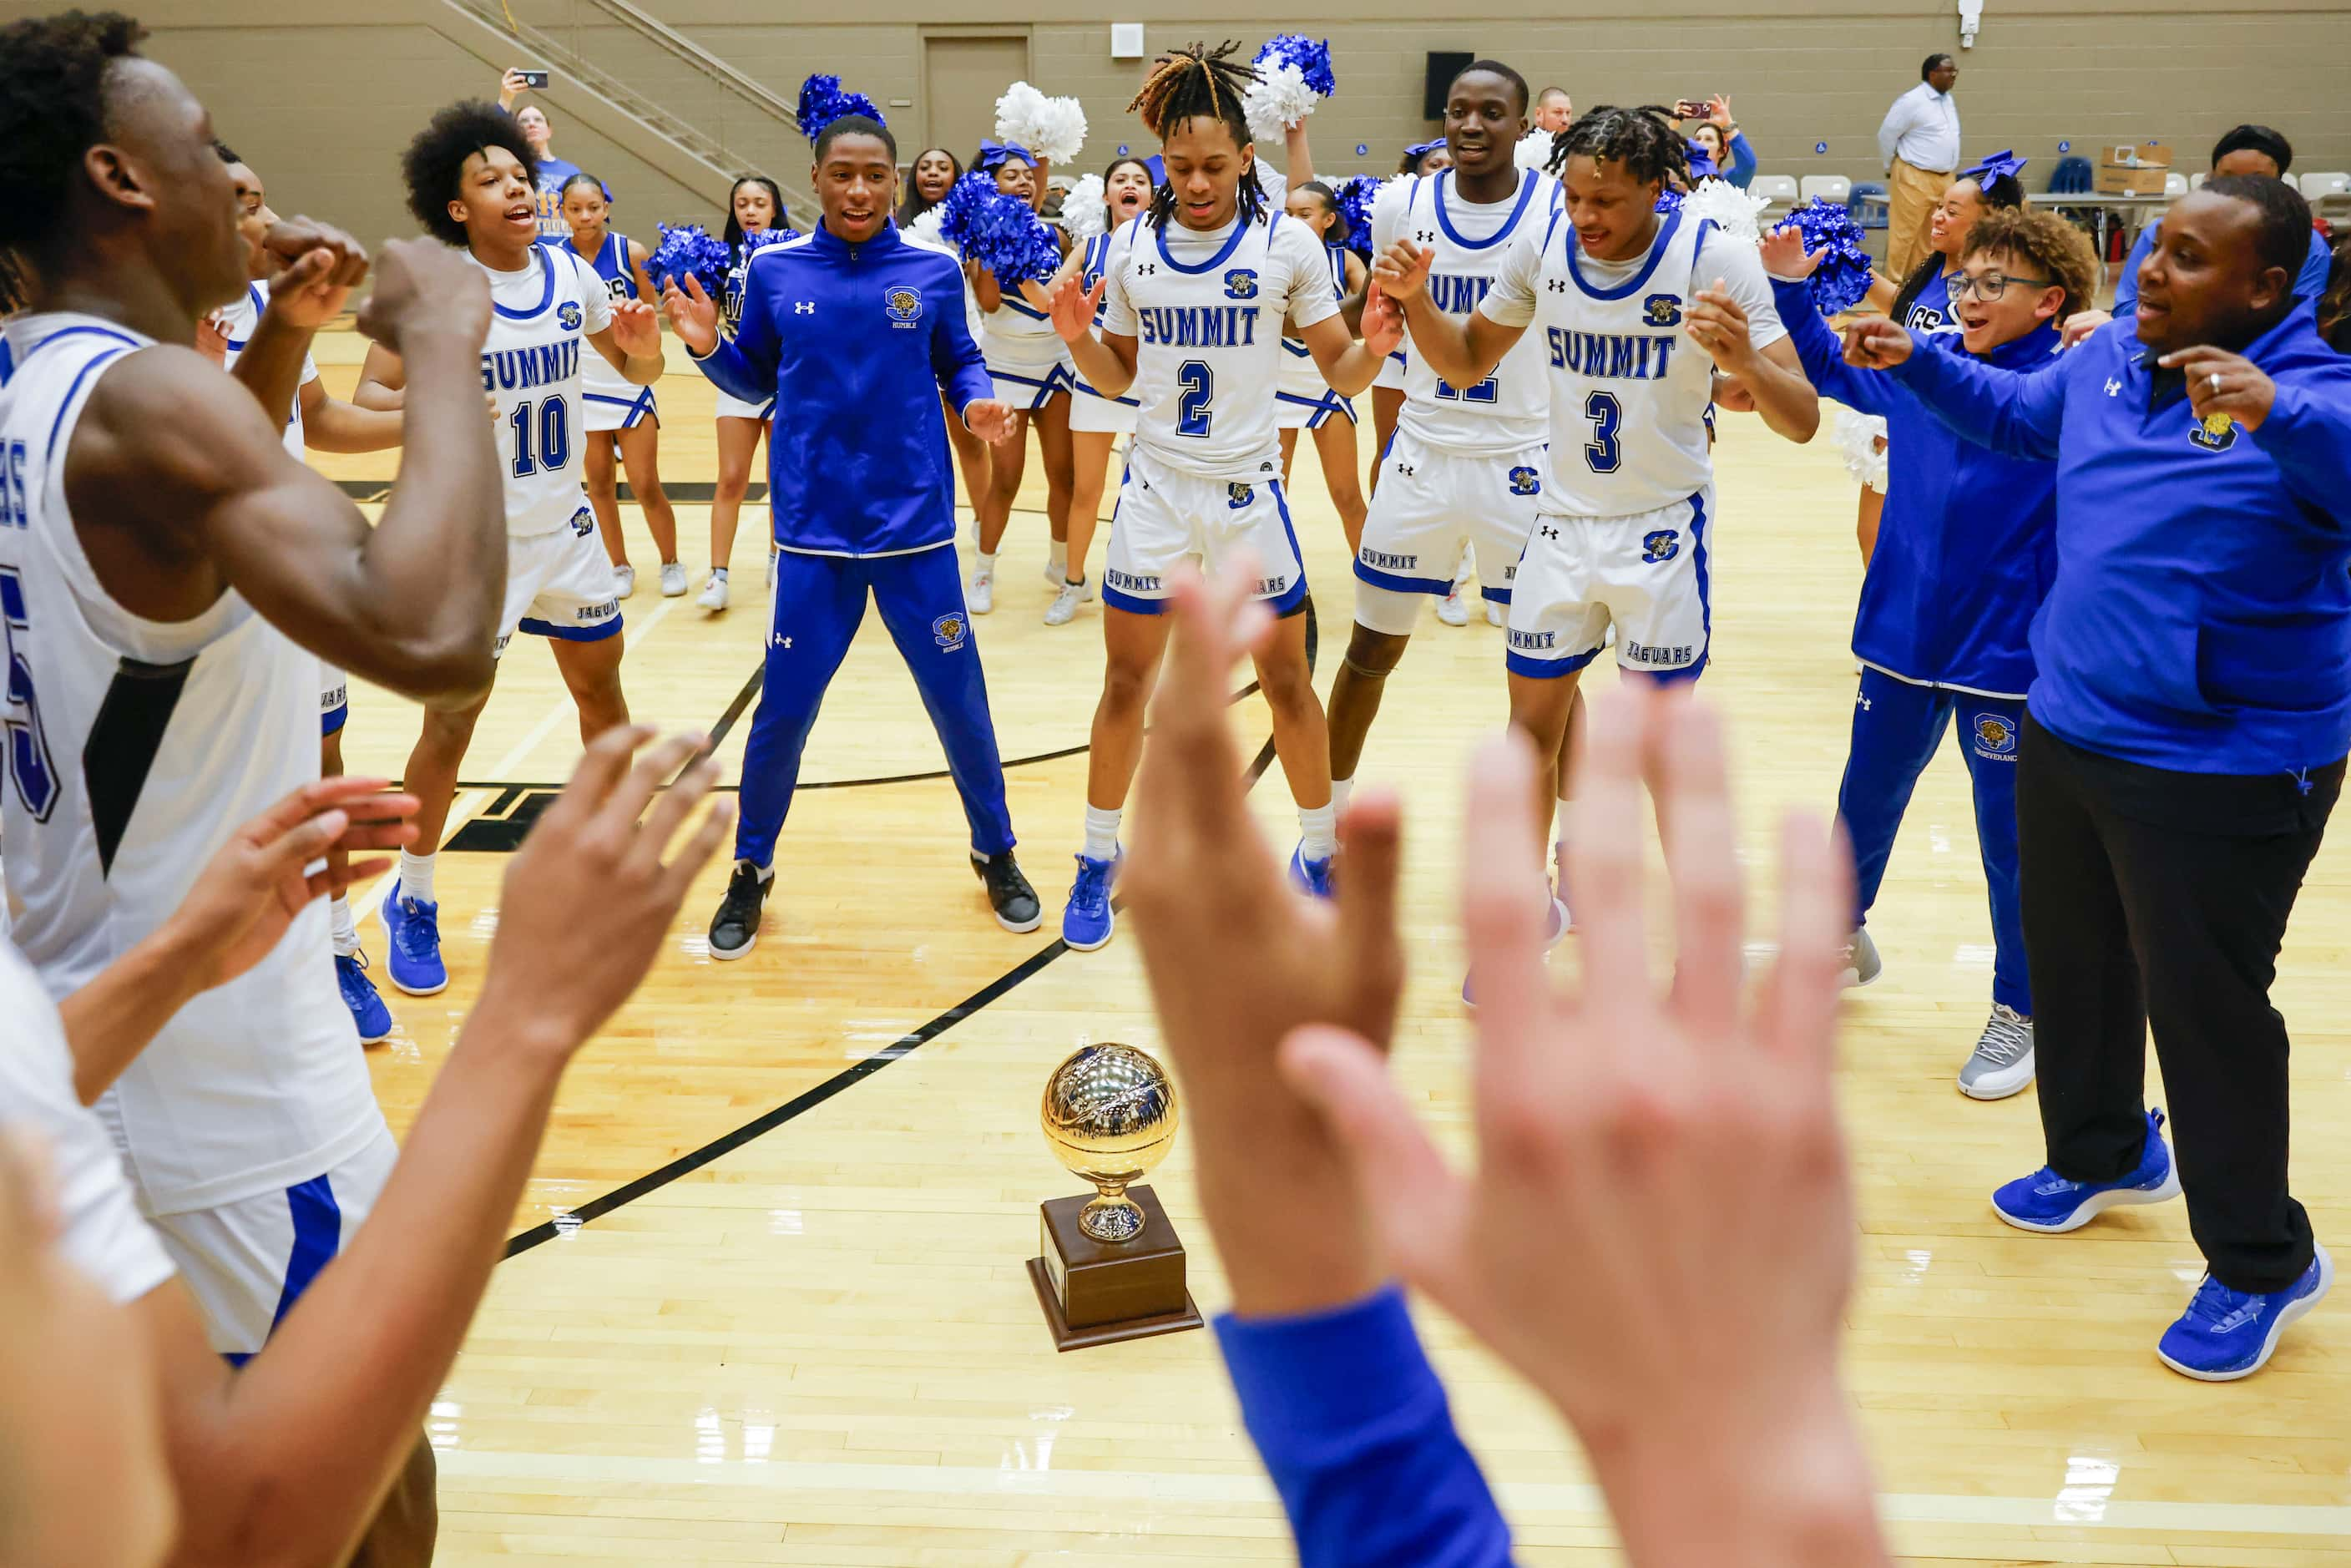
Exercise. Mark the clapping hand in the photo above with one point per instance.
(692, 314)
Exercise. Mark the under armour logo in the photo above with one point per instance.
(1864, 701)
(1424, 237)
(2114, 386)
(1146, 269)
(1556, 285)
(1550, 533)
(1405, 469)
(804, 307)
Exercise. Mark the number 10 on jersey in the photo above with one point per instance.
(552, 424)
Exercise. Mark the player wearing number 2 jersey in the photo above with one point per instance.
(469, 182)
(1193, 294)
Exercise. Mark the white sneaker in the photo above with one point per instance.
(673, 580)
(1494, 616)
(1453, 610)
(624, 579)
(1064, 608)
(1091, 589)
(713, 593)
(981, 598)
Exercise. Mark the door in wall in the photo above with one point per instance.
(962, 80)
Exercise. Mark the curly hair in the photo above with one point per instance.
(2043, 241)
(1198, 83)
(1643, 140)
(52, 109)
(434, 164)
(2001, 194)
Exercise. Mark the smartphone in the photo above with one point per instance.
(1684, 109)
(534, 79)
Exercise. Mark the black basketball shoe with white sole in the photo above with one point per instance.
(735, 929)
(1008, 893)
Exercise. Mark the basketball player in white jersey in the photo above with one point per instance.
(171, 578)
(331, 425)
(1193, 298)
(1626, 306)
(469, 184)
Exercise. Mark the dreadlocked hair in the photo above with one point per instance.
(1198, 83)
(1643, 140)
(52, 109)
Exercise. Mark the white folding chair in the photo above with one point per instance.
(1828, 187)
(1782, 189)
(2175, 185)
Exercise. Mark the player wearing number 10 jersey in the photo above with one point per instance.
(469, 182)
(1193, 294)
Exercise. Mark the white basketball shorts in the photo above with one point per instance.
(561, 585)
(1430, 501)
(1165, 517)
(1649, 574)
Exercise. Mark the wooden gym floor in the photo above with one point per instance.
(766, 1303)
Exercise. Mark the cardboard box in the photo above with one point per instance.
(2112, 182)
(2136, 155)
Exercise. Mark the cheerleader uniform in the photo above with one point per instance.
(609, 400)
(1302, 400)
(1026, 358)
(1857, 434)
(730, 311)
(1090, 410)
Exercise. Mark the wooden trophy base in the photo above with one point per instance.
(1096, 1292)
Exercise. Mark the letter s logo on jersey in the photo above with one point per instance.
(1662, 310)
(1995, 736)
(1525, 481)
(949, 631)
(583, 522)
(1240, 282)
(568, 314)
(904, 305)
(1661, 545)
(2217, 434)
(1239, 496)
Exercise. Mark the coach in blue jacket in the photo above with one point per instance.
(1964, 557)
(855, 334)
(2189, 717)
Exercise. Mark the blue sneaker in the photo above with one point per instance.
(2048, 1202)
(2226, 1334)
(368, 1012)
(1562, 922)
(1311, 878)
(1087, 919)
(415, 928)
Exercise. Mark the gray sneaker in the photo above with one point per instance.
(2002, 1063)
(1862, 963)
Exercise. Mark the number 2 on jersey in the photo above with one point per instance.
(30, 764)
(554, 429)
(1602, 453)
(1199, 385)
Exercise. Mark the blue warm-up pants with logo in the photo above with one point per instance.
(1896, 728)
(819, 602)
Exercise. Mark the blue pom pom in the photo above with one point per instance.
(999, 232)
(1669, 200)
(1356, 197)
(822, 102)
(1840, 277)
(755, 243)
(1311, 58)
(689, 250)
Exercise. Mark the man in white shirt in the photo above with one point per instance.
(1553, 109)
(1920, 144)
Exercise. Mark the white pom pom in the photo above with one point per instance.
(924, 229)
(1732, 210)
(1858, 435)
(1083, 215)
(1279, 99)
(1051, 128)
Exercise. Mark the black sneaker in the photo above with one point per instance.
(1008, 893)
(735, 929)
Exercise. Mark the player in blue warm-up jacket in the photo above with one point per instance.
(855, 334)
(1965, 551)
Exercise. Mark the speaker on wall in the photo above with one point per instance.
(1443, 66)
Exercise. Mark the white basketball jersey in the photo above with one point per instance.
(1629, 387)
(540, 322)
(134, 748)
(1510, 410)
(238, 322)
(1205, 313)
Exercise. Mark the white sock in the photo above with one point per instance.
(1060, 557)
(1340, 790)
(1101, 833)
(416, 877)
(341, 926)
(1318, 830)
(719, 572)
(986, 559)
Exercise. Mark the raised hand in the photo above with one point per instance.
(1718, 324)
(692, 314)
(1785, 255)
(2223, 385)
(1073, 304)
(1402, 270)
(1874, 343)
(1659, 1232)
(589, 899)
(1383, 321)
(314, 267)
(636, 329)
(425, 286)
(511, 86)
(988, 418)
(2080, 325)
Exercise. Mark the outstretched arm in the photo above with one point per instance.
(2017, 412)
(331, 424)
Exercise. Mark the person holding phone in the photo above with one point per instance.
(554, 174)
(1707, 123)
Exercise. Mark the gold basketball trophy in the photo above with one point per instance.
(1111, 1268)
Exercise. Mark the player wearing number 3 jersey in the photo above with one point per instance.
(1193, 297)
(469, 182)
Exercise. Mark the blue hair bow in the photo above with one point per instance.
(1420, 150)
(1701, 162)
(2002, 164)
(994, 155)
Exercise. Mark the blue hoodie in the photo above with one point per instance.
(2201, 620)
(855, 343)
(1967, 547)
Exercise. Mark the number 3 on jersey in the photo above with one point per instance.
(1602, 453)
(1192, 407)
(554, 431)
(29, 764)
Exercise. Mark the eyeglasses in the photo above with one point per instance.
(1991, 285)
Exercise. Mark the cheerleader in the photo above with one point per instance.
(928, 180)
(1304, 400)
(1096, 420)
(1033, 374)
(753, 206)
(618, 413)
